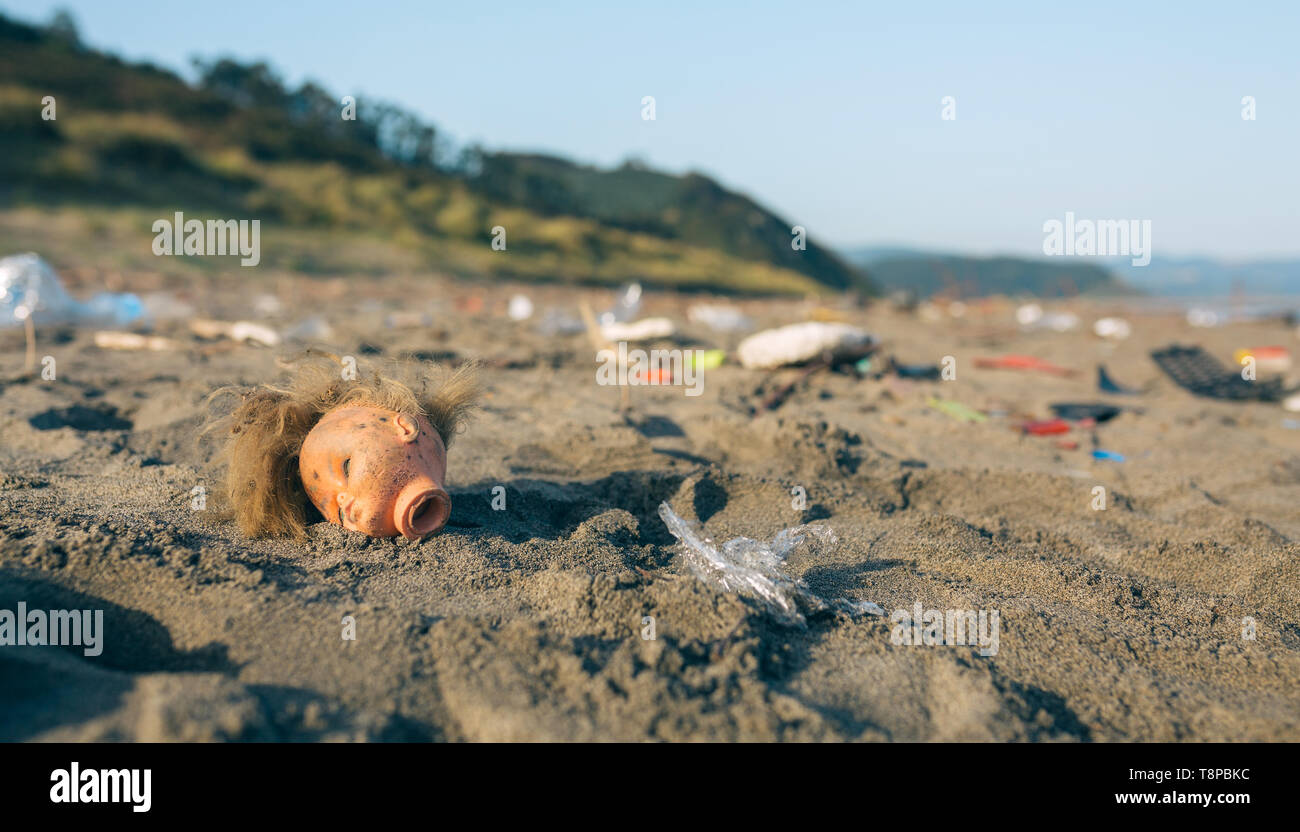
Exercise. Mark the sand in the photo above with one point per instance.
(527, 623)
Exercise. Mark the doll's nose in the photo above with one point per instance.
(422, 508)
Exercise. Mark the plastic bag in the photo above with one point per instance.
(30, 288)
(797, 343)
(752, 568)
(719, 318)
(625, 308)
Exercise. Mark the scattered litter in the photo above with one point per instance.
(1109, 456)
(116, 340)
(1196, 371)
(1059, 322)
(1049, 427)
(654, 375)
(165, 306)
(314, 328)
(863, 366)
(29, 288)
(1022, 362)
(1108, 385)
(1029, 314)
(267, 305)
(798, 343)
(1267, 359)
(625, 308)
(406, 320)
(1292, 403)
(1291, 424)
(558, 322)
(1067, 444)
(1115, 328)
(1032, 316)
(826, 314)
(752, 568)
(707, 359)
(236, 331)
(1080, 411)
(928, 372)
(957, 410)
(646, 329)
(1199, 317)
(520, 308)
(928, 312)
(470, 304)
(719, 318)
(904, 300)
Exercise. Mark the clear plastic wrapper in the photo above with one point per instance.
(753, 569)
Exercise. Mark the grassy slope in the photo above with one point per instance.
(132, 143)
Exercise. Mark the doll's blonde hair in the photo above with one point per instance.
(266, 428)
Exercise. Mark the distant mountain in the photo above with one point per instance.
(931, 273)
(379, 191)
(1209, 277)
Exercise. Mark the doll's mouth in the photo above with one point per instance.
(422, 512)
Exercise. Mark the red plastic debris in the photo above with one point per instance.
(1022, 362)
(1049, 427)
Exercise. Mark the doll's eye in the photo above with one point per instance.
(347, 464)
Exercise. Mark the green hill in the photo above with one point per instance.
(692, 208)
(132, 142)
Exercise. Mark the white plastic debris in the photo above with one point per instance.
(797, 343)
(1199, 317)
(1028, 314)
(115, 340)
(520, 308)
(752, 568)
(313, 328)
(646, 329)
(1032, 316)
(1059, 321)
(1292, 403)
(248, 331)
(1115, 328)
(625, 308)
(718, 317)
(236, 331)
(29, 288)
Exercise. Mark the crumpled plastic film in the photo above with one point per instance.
(29, 287)
(752, 568)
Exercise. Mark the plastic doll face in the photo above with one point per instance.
(377, 472)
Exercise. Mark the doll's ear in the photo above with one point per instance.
(408, 430)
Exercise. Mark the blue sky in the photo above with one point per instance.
(829, 113)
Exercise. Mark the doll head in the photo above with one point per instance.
(369, 454)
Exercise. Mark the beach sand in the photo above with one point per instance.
(527, 623)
